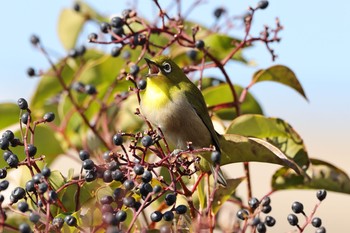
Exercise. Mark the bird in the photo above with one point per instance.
(172, 102)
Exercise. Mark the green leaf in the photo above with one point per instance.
(274, 130)
(323, 176)
(237, 148)
(70, 23)
(221, 94)
(221, 45)
(224, 193)
(280, 74)
(56, 179)
(9, 113)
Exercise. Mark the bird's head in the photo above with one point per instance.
(163, 66)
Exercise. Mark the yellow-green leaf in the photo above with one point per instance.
(274, 130)
(221, 94)
(224, 193)
(70, 23)
(323, 176)
(9, 113)
(281, 74)
(237, 148)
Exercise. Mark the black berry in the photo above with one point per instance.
(121, 215)
(139, 169)
(30, 72)
(73, 53)
(8, 134)
(6, 154)
(22, 206)
(3, 173)
(118, 139)
(292, 219)
(78, 86)
(53, 196)
(263, 5)
(4, 185)
(105, 27)
(156, 216)
(90, 175)
(266, 209)
(31, 150)
(46, 172)
(83, 155)
(126, 13)
(34, 39)
(321, 194)
(134, 70)
(117, 22)
(242, 214)
(129, 184)
(58, 222)
(157, 188)
(4, 143)
(107, 176)
(24, 228)
(70, 220)
(118, 193)
(81, 50)
(106, 199)
(76, 7)
(42, 187)
(37, 178)
(316, 222)
(297, 207)
(92, 37)
(88, 164)
(270, 221)
(147, 176)
(142, 84)
(147, 141)
(117, 175)
(216, 157)
(12, 161)
(181, 209)
(49, 116)
(253, 203)
(34, 217)
(90, 89)
(129, 201)
(115, 52)
(168, 216)
(170, 199)
(199, 44)
(218, 12)
(22, 104)
(192, 54)
(24, 118)
(30, 186)
(118, 32)
(145, 189)
(321, 230)
(261, 228)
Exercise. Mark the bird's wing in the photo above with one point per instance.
(196, 99)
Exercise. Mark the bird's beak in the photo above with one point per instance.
(153, 67)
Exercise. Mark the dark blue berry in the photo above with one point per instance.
(49, 116)
(199, 44)
(105, 27)
(46, 172)
(170, 199)
(266, 201)
(30, 72)
(4, 143)
(115, 52)
(7, 154)
(37, 178)
(118, 139)
(3, 173)
(192, 54)
(147, 176)
(12, 161)
(88, 164)
(117, 22)
(81, 50)
(22, 206)
(321, 194)
(316, 222)
(168, 216)
(145, 189)
(147, 141)
(142, 84)
(76, 6)
(242, 214)
(34, 217)
(270, 221)
(121, 215)
(107, 176)
(90, 89)
(30, 186)
(292, 219)
(8, 134)
(118, 193)
(156, 216)
(157, 188)
(24, 228)
(22, 104)
(218, 12)
(42, 187)
(129, 184)
(297, 207)
(53, 196)
(181, 209)
(261, 228)
(106, 199)
(253, 203)
(24, 118)
(58, 222)
(138, 169)
(31, 150)
(83, 155)
(134, 70)
(129, 201)
(90, 175)
(266, 209)
(263, 5)
(216, 157)
(321, 230)
(70, 220)
(92, 37)
(117, 175)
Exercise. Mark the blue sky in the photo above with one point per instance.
(315, 45)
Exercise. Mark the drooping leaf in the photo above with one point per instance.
(221, 94)
(281, 74)
(70, 23)
(237, 148)
(9, 113)
(224, 193)
(323, 176)
(274, 130)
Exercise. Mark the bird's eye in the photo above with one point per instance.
(166, 67)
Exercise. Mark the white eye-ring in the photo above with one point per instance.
(166, 67)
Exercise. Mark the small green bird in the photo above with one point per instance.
(173, 103)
